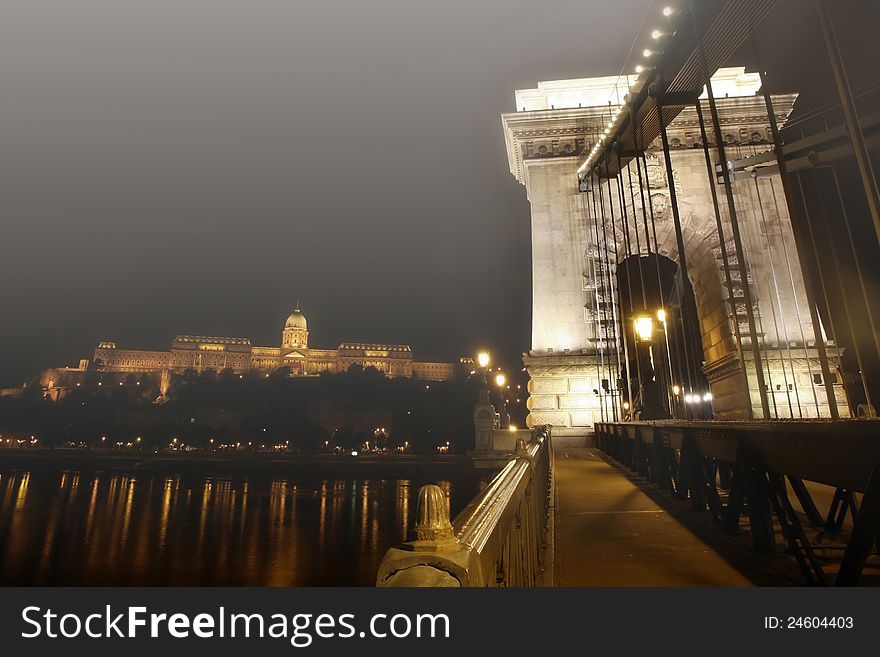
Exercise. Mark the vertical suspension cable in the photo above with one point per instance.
(667, 384)
(753, 239)
(751, 245)
(614, 324)
(725, 260)
(666, 325)
(751, 227)
(639, 257)
(638, 142)
(608, 292)
(601, 302)
(855, 260)
(751, 230)
(822, 285)
(781, 316)
(684, 278)
(591, 270)
(800, 248)
(791, 360)
(737, 240)
(846, 306)
(621, 198)
(620, 327)
(601, 317)
(794, 294)
(639, 263)
(636, 231)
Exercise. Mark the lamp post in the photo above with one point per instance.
(500, 380)
(643, 329)
(483, 362)
(661, 317)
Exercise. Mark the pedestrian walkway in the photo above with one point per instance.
(614, 530)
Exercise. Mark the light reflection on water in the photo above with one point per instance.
(98, 528)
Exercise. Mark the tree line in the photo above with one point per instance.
(204, 410)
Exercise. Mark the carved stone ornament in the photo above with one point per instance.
(660, 206)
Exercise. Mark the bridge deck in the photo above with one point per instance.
(613, 530)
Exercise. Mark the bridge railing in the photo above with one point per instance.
(736, 469)
(500, 538)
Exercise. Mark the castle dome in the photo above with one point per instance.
(296, 320)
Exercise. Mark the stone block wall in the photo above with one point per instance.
(562, 392)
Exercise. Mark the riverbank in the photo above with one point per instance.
(237, 463)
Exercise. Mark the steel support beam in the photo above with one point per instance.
(850, 115)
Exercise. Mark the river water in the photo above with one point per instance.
(104, 528)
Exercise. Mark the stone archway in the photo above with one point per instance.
(719, 358)
(785, 337)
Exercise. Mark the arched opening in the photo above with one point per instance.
(664, 350)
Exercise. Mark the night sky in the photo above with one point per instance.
(199, 167)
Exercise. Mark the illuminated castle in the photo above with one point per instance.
(206, 353)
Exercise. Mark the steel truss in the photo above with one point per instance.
(736, 469)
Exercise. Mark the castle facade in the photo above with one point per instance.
(208, 353)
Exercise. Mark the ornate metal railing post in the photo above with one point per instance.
(433, 525)
(500, 539)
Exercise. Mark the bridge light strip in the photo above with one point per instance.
(591, 158)
(668, 11)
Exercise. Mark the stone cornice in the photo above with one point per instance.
(554, 133)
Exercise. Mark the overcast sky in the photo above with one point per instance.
(199, 166)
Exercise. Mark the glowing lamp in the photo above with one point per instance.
(661, 315)
(483, 359)
(644, 328)
(500, 380)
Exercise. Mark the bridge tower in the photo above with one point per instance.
(570, 386)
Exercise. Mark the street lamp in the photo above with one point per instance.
(644, 328)
(661, 317)
(483, 363)
(643, 332)
(500, 380)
